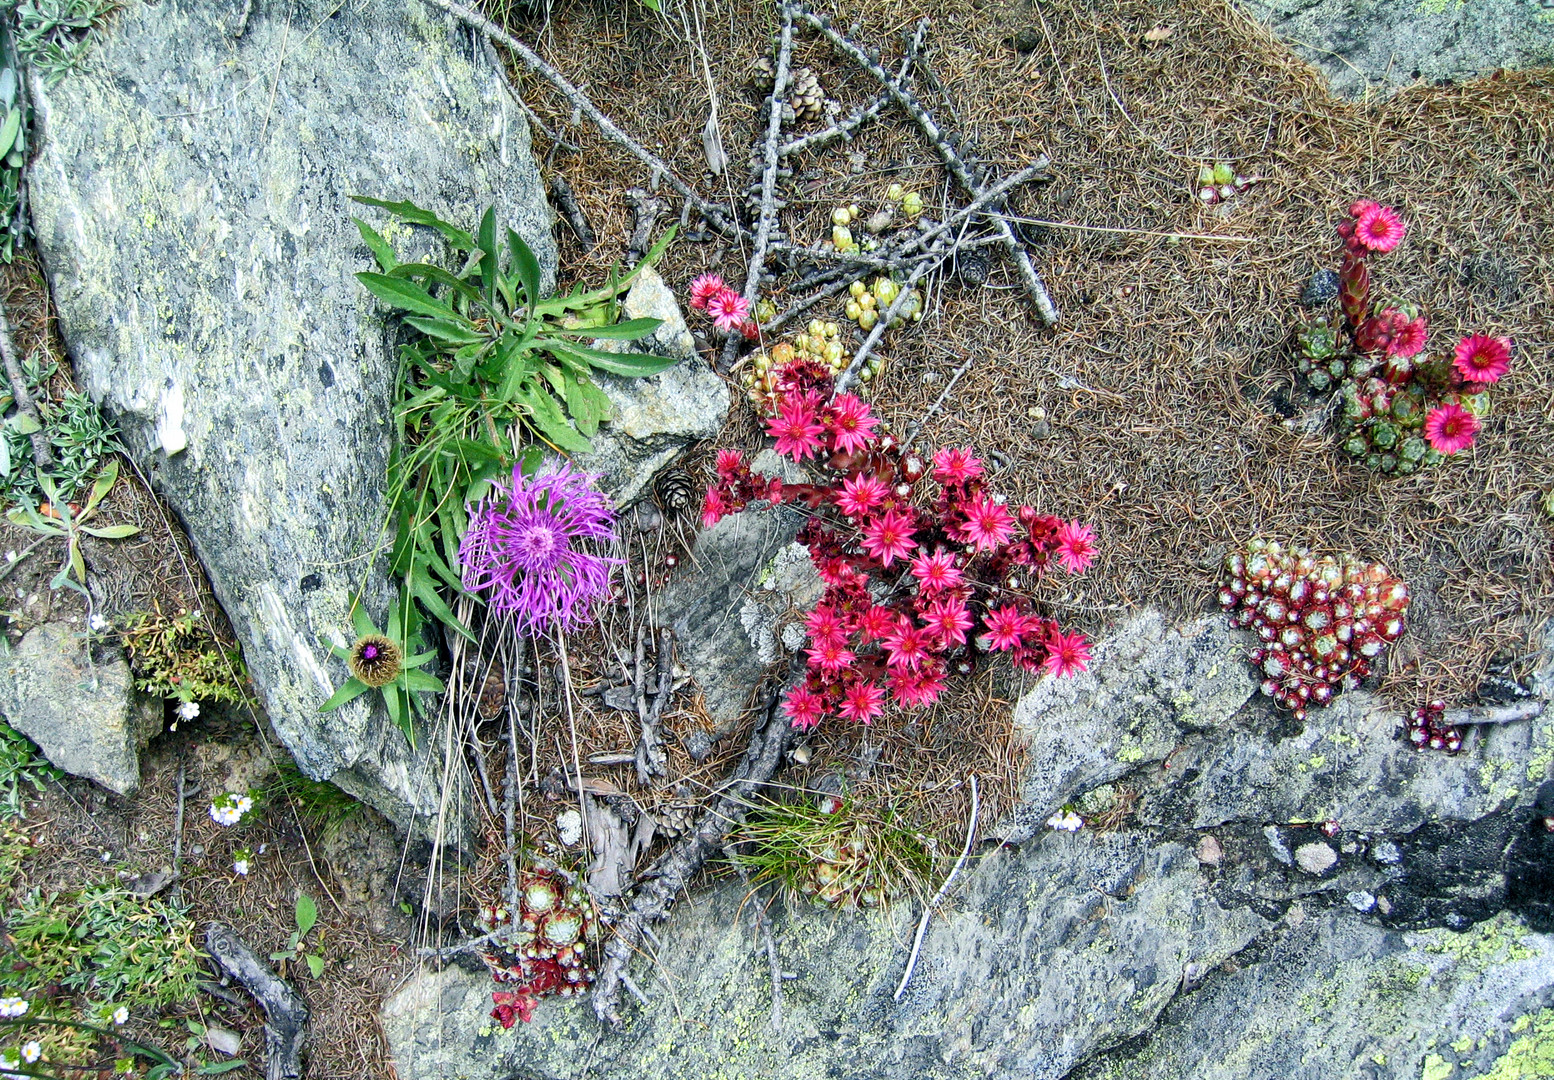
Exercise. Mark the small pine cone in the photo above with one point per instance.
(375, 660)
(676, 491)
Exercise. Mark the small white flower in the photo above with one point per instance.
(229, 808)
(241, 866)
(10, 556)
(120, 1016)
(1066, 821)
(98, 622)
(9, 1060)
(32, 1052)
(188, 710)
(12, 1007)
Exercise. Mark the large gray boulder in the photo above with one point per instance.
(1380, 46)
(1315, 900)
(190, 196)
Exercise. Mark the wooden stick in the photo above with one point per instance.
(668, 877)
(715, 215)
(964, 173)
(856, 364)
(922, 926)
(917, 425)
(843, 129)
(286, 1014)
(766, 219)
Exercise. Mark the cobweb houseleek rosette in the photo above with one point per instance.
(527, 549)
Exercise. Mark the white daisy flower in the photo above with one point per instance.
(32, 1052)
(12, 1007)
(120, 1016)
(188, 710)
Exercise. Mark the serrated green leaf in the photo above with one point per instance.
(485, 240)
(361, 620)
(380, 248)
(547, 420)
(307, 913)
(421, 682)
(409, 211)
(630, 365)
(433, 272)
(405, 295)
(348, 691)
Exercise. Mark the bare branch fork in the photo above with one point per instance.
(766, 219)
(669, 876)
(716, 216)
(965, 172)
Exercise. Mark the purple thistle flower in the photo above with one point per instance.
(523, 549)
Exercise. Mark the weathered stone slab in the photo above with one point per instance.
(81, 710)
(191, 200)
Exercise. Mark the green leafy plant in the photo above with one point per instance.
(51, 35)
(13, 146)
(20, 763)
(59, 518)
(103, 943)
(488, 352)
(178, 657)
(295, 950)
(402, 680)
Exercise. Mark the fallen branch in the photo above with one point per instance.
(668, 877)
(561, 191)
(286, 1014)
(715, 215)
(1494, 714)
(843, 129)
(649, 757)
(964, 172)
(42, 454)
(886, 318)
(922, 926)
(766, 214)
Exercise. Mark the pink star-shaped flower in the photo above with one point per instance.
(851, 425)
(948, 620)
(860, 494)
(955, 465)
(862, 702)
(889, 536)
(1067, 654)
(907, 646)
(804, 707)
(796, 429)
(1076, 547)
(937, 572)
(988, 523)
(1005, 627)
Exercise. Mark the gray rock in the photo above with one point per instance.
(1276, 844)
(725, 645)
(1038, 968)
(190, 197)
(1315, 858)
(1148, 684)
(1338, 999)
(1360, 900)
(82, 712)
(1388, 44)
(654, 419)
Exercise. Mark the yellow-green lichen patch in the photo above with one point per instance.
(1538, 764)
(1530, 1057)
(1436, 1067)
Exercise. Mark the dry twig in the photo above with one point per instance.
(42, 454)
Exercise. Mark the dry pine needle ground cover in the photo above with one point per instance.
(1175, 425)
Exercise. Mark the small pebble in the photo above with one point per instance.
(1209, 851)
(1321, 289)
(1315, 858)
(1386, 853)
(1361, 900)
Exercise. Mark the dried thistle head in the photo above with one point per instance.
(375, 660)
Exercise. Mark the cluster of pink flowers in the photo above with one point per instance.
(729, 310)
(920, 578)
(1392, 385)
